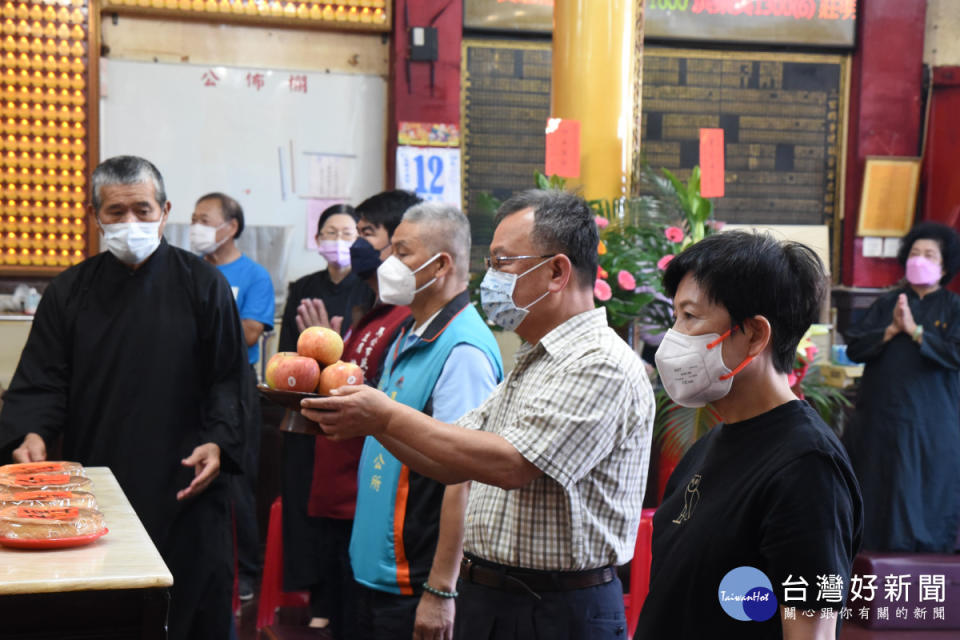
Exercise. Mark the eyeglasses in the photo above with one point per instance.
(342, 234)
(497, 262)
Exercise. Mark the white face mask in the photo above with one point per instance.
(496, 297)
(131, 242)
(692, 370)
(203, 239)
(397, 282)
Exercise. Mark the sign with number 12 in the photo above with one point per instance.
(431, 173)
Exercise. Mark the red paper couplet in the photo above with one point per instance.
(711, 163)
(563, 148)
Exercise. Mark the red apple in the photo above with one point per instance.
(322, 344)
(288, 371)
(337, 375)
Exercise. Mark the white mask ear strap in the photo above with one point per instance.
(535, 267)
(545, 294)
(435, 256)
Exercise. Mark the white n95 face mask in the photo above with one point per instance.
(131, 242)
(203, 239)
(496, 297)
(692, 370)
(397, 282)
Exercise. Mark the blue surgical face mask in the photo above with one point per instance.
(496, 297)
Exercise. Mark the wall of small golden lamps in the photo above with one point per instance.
(369, 15)
(43, 133)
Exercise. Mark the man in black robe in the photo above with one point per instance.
(136, 359)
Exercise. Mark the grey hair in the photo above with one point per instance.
(126, 170)
(449, 232)
(564, 223)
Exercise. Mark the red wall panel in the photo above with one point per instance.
(885, 115)
(416, 100)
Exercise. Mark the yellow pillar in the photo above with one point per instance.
(597, 64)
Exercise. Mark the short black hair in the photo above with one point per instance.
(751, 274)
(229, 207)
(945, 236)
(386, 208)
(333, 210)
(562, 223)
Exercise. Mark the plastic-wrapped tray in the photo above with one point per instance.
(26, 525)
(45, 481)
(53, 543)
(44, 466)
(47, 497)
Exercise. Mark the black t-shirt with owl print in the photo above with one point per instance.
(775, 493)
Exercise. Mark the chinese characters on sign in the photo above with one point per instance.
(865, 596)
(257, 80)
(298, 83)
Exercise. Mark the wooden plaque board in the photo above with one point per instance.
(889, 196)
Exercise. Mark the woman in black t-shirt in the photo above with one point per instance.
(762, 517)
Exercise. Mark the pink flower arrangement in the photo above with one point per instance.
(601, 222)
(674, 234)
(626, 281)
(602, 290)
(664, 261)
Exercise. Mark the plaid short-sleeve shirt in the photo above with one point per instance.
(578, 405)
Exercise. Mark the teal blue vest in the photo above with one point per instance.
(394, 529)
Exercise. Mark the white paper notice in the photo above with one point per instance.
(890, 247)
(329, 175)
(430, 172)
(872, 247)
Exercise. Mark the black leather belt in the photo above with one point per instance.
(526, 580)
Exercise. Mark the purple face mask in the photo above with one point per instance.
(922, 271)
(335, 252)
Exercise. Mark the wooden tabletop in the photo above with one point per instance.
(125, 558)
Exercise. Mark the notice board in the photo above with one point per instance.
(504, 110)
(284, 143)
(783, 117)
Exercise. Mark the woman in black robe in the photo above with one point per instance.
(318, 298)
(904, 440)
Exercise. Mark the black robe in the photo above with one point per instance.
(904, 440)
(135, 369)
(302, 534)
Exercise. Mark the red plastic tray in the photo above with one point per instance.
(53, 543)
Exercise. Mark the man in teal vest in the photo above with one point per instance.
(557, 454)
(407, 537)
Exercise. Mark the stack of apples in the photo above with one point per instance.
(315, 367)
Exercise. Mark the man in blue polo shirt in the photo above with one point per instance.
(408, 529)
(216, 224)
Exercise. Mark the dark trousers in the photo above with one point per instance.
(199, 553)
(594, 613)
(336, 595)
(385, 616)
(302, 534)
(244, 489)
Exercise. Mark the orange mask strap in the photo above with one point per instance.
(740, 366)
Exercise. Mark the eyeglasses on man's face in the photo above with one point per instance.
(498, 262)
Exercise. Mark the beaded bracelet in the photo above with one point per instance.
(438, 593)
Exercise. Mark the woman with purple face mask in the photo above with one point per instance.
(323, 297)
(904, 440)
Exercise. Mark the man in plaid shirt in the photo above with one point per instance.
(559, 451)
